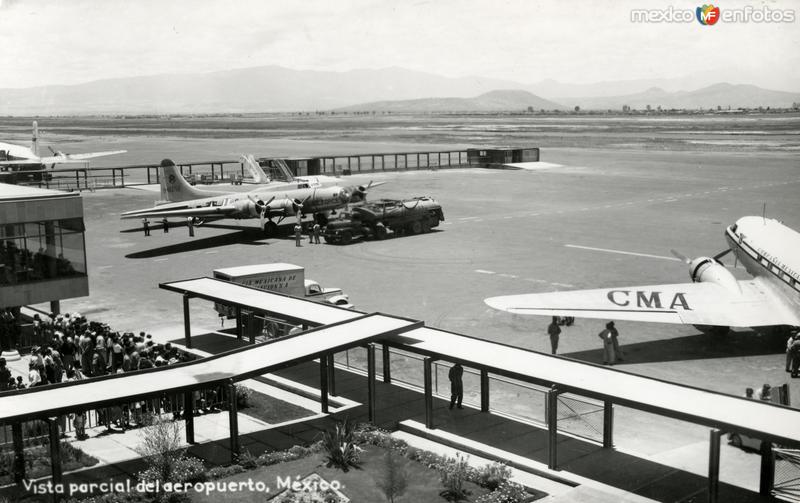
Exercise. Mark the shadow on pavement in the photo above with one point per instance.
(243, 236)
(691, 347)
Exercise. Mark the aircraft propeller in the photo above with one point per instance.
(262, 208)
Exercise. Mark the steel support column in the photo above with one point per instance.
(323, 383)
(427, 364)
(331, 375)
(55, 450)
(239, 327)
(484, 390)
(187, 329)
(19, 453)
(371, 381)
(387, 364)
(188, 415)
(552, 428)
(608, 424)
(713, 465)
(233, 421)
(767, 469)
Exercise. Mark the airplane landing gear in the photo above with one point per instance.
(270, 228)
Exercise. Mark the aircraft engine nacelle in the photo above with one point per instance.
(284, 207)
(249, 208)
(710, 270)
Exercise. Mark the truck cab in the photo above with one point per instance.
(335, 296)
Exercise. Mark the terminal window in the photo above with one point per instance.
(44, 250)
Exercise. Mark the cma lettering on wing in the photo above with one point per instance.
(648, 299)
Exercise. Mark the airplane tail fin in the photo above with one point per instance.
(254, 168)
(174, 187)
(35, 139)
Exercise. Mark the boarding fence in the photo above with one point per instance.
(786, 484)
(577, 415)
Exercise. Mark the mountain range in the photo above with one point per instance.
(279, 89)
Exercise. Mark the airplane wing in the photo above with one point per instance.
(201, 211)
(59, 159)
(688, 303)
(22, 162)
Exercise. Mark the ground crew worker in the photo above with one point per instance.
(190, 223)
(298, 230)
(146, 226)
(316, 230)
(310, 235)
(608, 344)
(614, 334)
(165, 224)
(456, 385)
(553, 330)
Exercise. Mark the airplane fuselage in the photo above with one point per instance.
(771, 251)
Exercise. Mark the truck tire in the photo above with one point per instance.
(347, 236)
(270, 228)
(415, 227)
(380, 233)
(426, 225)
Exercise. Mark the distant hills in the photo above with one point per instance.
(278, 89)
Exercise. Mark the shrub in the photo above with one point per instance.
(493, 475)
(340, 448)
(366, 434)
(162, 448)
(243, 394)
(394, 478)
(453, 473)
(508, 492)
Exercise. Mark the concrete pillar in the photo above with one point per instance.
(552, 428)
(233, 421)
(484, 390)
(608, 424)
(19, 453)
(371, 381)
(188, 415)
(767, 480)
(387, 364)
(713, 465)
(187, 329)
(323, 383)
(427, 364)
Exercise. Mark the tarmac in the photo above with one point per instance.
(506, 232)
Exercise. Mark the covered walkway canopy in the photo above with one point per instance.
(291, 309)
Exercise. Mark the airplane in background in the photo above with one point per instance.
(265, 203)
(18, 155)
(715, 299)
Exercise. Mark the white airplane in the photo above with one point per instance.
(17, 155)
(282, 201)
(769, 251)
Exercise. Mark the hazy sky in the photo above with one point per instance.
(64, 42)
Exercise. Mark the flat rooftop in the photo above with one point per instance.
(10, 192)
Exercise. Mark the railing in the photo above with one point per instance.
(577, 415)
(787, 474)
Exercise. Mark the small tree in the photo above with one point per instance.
(394, 479)
(163, 450)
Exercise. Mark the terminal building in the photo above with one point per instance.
(42, 247)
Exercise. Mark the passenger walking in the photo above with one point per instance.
(316, 230)
(553, 330)
(146, 226)
(608, 345)
(298, 236)
(614, 334)
(456, 385)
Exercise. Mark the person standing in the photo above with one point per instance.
(298, 234)
(795, 351)
(316, 229)
(553, 330)
(190, 223)
(456, 385)
(614, 334)
(146, 226)
(792, 336)
(165, 225)
(608, 345)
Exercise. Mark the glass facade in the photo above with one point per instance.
(40, 251)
